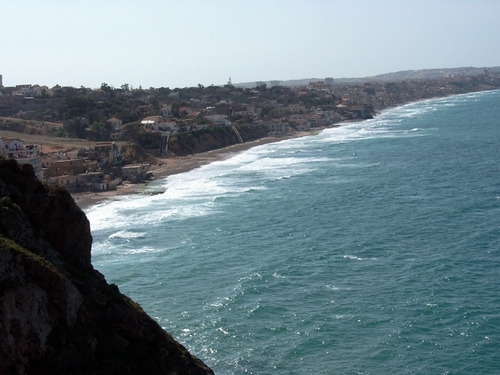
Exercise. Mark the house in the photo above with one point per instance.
(29, 154)
(108, 153)
(184, 111)
(100, 186)
(168, 126)
(295, 108)
(30, 91)
(135, 172)
(166, 111)
(184, 125)
(114, 124)
(302, 124)
(320, 86)
(277, 128)
(88, 181)
(64, 167)
(193, 115)
(248, 111)
(70, 182)
(151, 122)
(359, 111)
(219, 120)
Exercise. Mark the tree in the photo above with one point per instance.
(71, 107)
(106, 88)
(262, 87)
(98, 126)
(74, 128)
(154, 102)
(176, 106)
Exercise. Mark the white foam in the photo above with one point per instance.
(143, 250)
(124, 234)
(353, 257)
(336, 288)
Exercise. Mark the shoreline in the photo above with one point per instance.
(168, 166)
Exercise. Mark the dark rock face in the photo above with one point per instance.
(57, 314)
(51, 212)
(212, 139)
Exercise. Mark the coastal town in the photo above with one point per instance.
(124, 131)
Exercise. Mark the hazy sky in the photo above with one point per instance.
(163, 43)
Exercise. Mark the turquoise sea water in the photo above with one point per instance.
(373, 248)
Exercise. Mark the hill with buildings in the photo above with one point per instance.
(405, 75)
(183, 121)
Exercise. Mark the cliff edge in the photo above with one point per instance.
(58, 315)
(212, 139)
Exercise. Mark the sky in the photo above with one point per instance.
(164, 43)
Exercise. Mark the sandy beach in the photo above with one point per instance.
(167, 166)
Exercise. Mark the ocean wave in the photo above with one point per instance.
(336, 288)
(143, 250)
(278, 276)
(126, 235)
(353, 257)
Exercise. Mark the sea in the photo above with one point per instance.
(370, 248)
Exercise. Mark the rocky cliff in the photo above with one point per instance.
(58, 315)
(212, 139)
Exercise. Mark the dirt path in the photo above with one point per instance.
(49, 144)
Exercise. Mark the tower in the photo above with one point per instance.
(1, 83)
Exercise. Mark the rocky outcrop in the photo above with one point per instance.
(212, 139)
(58, 315)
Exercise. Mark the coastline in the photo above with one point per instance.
(168, 166)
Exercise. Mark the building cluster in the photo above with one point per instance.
(104, 115)
(278, 116)
(280, 109)
(93, 169)
(227, 107)
(24, 154)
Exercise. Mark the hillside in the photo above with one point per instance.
(212, 139)
(58, 315)
(388, 77)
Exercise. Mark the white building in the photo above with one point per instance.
(219, 120)
(168, 126)
(277, 129)
(151, 122)
(166, 111)
(30, 91)
(30, 154)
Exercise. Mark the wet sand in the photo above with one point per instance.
(168, 166)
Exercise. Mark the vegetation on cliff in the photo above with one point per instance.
(212, 138)
(58, 315)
